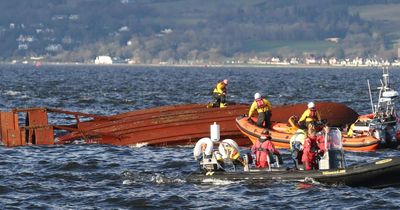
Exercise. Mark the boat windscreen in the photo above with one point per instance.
(333, 139)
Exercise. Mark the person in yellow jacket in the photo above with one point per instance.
(310, 115)
(233, 154)
(219, 93)
(263, 107)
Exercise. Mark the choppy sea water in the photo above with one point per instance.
(110, 177)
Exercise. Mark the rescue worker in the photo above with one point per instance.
(219, 94)
(219, 159)
(263, 107)
(233, 154)
(312, 148)
(264, 149)
(296, 146)
(350, 131)
(310, 115)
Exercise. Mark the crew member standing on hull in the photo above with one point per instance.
(219, 94)
(263, 107)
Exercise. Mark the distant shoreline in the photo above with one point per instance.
(297, 66)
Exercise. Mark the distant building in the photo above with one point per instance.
(103, 60)
(311, 60)
(54, 47)
(332, 39)
(22, 47)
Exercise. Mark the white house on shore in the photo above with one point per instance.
(104, 59)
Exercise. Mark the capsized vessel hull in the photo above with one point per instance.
(185, 124)
(159, 126)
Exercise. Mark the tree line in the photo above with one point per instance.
(152, 31)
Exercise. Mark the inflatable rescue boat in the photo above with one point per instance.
(282, 132)
(377, 174)
(332, 168)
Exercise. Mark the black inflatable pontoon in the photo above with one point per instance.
(379, 174)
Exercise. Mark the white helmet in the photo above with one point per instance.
(257, 96)
(225, 81)
(311, 105)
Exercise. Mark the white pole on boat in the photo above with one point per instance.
(370, 97)
(215, 132)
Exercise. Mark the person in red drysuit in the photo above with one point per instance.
(313, 146)
(264, 148)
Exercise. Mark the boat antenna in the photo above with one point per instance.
(370, 96)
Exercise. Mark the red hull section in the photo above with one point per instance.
(336, 114)
(160, 126)
(163, 126)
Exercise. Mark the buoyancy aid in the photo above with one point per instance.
(260, 103)
(310, 115)
(266, 105)
(262, 150)
(313, 114)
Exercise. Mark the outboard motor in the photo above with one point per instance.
(333, 158)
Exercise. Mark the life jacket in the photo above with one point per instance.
(261, 105)
(262, 150)
(313, 114)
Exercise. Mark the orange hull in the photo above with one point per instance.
(160, 126)
(281, 136)
(185, 124)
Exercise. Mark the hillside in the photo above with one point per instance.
(154, 31)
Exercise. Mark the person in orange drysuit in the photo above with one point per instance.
(313, 146)
(264, 148)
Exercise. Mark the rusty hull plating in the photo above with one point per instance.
(160, 126)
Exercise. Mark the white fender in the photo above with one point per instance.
(199, 144)
(221, 148)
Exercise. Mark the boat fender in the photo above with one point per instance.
(198, 147)
(231, 142)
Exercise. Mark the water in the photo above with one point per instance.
(109, 177)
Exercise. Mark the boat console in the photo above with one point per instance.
(333, 158)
